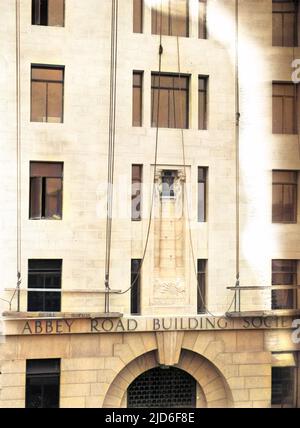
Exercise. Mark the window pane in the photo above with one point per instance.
(283, 386)
(136, 286)
(179, 18)
(277, 115)
(202, 19)
(137, 99)
(289, 202)
(282, 299)
(38, 102)
(47, 74)
(46, 169)
(137, 16)
(173, 101)
(55, 103)
(136, 192)
(201, 286)
(171, 18)
(277, 206)
(42, 383)
(289, 116)
(202, 173)
(53, 198)
(35, 198)
(56, 13)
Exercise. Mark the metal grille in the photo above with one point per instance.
(163, 388)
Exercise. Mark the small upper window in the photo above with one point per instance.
(47, 94)
(171, 18)
(48, 12)
(285, 22)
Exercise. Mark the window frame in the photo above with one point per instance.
(135, 292)
(283, 13)
(42, 273)
(202, 283)
(205, 182)
(43, 194)
(55, 374)
(133, 196)
(293, 273)
(141, 17)
(295, 185)
(295, 98)
(139, 73)
(160, 88)
(294, 367)
(205, 92)
(47, 25)
(155, 26)
(62, 82)
(205, 32)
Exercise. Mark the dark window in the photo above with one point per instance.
(48, 12)
(136, 194)
(170, 100)
(171, 18)
(202, 20)
(284, 209)
(46, 182)
(201, 286)
(284, 108)
(284, 272)
(137, 98)
(285, 22)
(47, 89)
(42, 384)
(135, 304)
(44, 274)
(283, 386)
(202, 194)
(202, 102)
(138, 16)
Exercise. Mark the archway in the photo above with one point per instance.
(212, 387)
(162, 387)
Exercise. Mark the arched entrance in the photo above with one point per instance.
(163, 387)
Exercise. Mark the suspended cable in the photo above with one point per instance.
(111, 146)
(237, 150)
(160, 52)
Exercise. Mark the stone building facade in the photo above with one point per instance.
(180, 323)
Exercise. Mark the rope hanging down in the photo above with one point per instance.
(160, 53)
(111, 145)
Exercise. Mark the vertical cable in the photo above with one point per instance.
(18, 154)
(237, 147)
(111, 146)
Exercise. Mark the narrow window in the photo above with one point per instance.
(202, 33)
(44, 274)
(171, 18)
(202, 102)
(137, 98)
(202, 194)
(46, 185)
(285, 22)
(47, 89)
(284, 206)
(48, 12)
(284, 380)
(170, 101)
(284, 108)
(135, 304)
(42, 384)
(201, 286)
(168, 180)
(138, 16)
(136, 193)
(284, 272)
